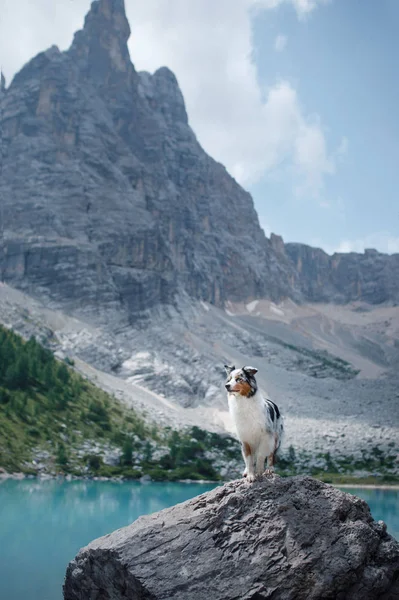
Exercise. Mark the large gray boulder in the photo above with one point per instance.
(284, 539)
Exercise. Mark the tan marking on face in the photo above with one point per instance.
(244, 389)
(246, 448)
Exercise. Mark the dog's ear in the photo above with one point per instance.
(250, 370)
(229, 369)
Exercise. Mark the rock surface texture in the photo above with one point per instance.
(285, 539)
(109, 205)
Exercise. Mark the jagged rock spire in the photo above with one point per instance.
(102, 43)
(110, 13)
(2, 82)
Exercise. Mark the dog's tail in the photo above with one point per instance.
(279, 436)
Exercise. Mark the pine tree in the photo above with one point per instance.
(7, 354)
(62, 457)
(4, 396)
(34, 368)
(17, 374)
(147, 451)
(48, 375)
(63, 373)
(22, 370)
(127, 452)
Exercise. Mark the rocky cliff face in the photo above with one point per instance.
(284, 539)
(371, 277)
(109, 206)
(108, 200)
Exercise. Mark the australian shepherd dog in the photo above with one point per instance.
(258, 422)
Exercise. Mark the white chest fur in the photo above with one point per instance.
(248, 417)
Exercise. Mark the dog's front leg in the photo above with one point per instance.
(247, 453)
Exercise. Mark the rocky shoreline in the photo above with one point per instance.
(67, 478)
(356, 481)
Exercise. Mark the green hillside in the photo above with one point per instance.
(53, 420)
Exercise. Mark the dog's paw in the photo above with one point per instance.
(269, 472)
(251, 477)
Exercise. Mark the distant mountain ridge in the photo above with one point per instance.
(109, 205)
(371, 277)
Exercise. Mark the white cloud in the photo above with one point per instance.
(302, 7)
(28, 27)
(383, 241)
(311, 158)
(208, 45)
(249, 130)
(280, 42)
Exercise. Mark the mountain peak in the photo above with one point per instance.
(102, 43)
(112, 13)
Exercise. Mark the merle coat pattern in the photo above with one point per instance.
(258, 422)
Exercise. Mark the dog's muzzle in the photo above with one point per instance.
(227, 386)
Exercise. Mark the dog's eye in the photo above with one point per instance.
(239, 380)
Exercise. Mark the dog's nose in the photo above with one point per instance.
(227, 386)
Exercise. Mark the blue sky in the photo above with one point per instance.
(343, 61)
(298, 98)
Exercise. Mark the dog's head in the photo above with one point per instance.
(241, 382)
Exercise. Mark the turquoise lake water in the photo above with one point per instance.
(43, 524)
